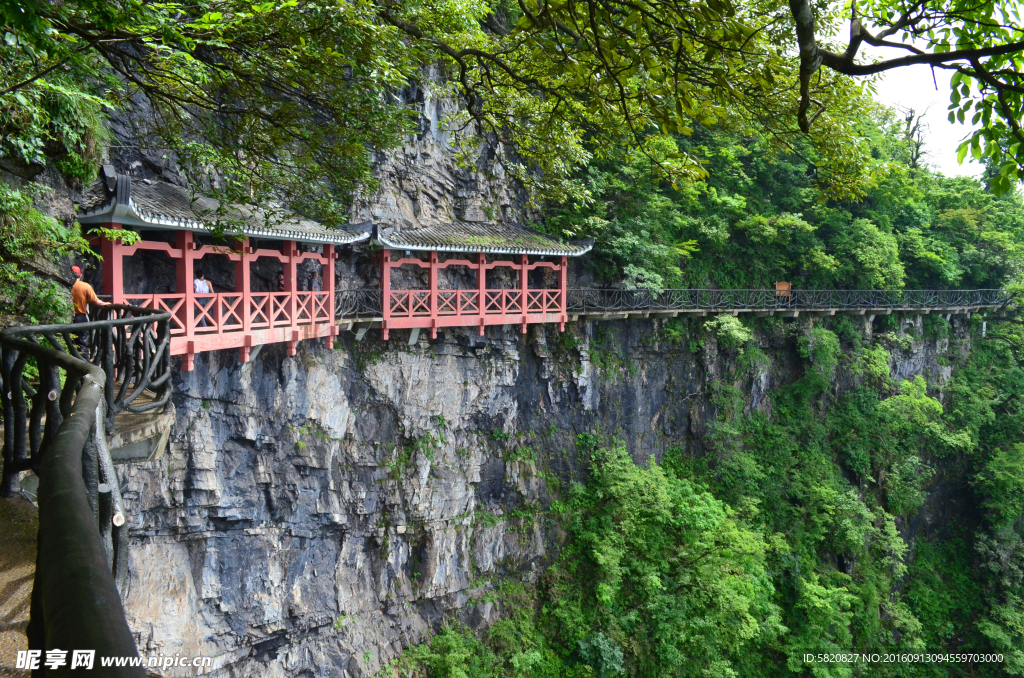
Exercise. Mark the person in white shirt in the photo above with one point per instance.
(201, 286)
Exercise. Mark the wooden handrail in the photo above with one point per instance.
(58, 432)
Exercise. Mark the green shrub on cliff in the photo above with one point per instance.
(810, 530)
(730, 331)
(25, 236)
(657, 578)
(822, 347)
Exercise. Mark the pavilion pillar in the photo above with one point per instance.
(291, 286)
(328, 280)
(243, 282)
(113, 266)
(243, 286)
(433, 294)
(183, 271)
(385, 287)
(523, 288)
(563, 287)
(481, 286)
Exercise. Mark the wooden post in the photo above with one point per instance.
(183, 270)
(243, 285)
(433, 294)
(328, 275)
(113, 266)
(563, 286)
(385, 290)
(481, 286)
(291, 286)
(523, 287)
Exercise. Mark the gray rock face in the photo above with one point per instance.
(315, 515)
(435, 178)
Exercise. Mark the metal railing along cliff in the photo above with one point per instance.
(625, 301)
(57, 404)
(367, 303)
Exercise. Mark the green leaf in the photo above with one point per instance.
(961, 151)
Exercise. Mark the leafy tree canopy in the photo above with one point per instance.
(759, 218)
(273, 96)
(291, 96)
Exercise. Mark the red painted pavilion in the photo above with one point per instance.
(205, 322)
(169, 219)
(474, 247)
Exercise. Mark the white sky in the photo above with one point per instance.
(913, 87)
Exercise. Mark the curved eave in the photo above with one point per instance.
(383, 241)
(130, 216)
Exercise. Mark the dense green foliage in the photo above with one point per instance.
(27, 235)
(789, 534)
(289, 99)
(270, 96)
(760, 217)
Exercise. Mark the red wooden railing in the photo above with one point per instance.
(226, 312)
(243, 319)
(416, 303)
(433, 307)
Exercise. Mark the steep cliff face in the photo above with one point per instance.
(430, 178)
(314, 515)
(425, 182)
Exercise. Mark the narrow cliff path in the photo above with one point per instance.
(19, 522)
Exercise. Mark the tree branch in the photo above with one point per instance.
(835, 62)
(43, 72)
(813, 56)
(1008, 112)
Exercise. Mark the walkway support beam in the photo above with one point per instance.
(433, 295)
(481, 286)
(291, 286)
(524, 284)
(385, 284)
(563, 287)
(243, 285)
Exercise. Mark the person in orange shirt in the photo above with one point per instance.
(82, 294)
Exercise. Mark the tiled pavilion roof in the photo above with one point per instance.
(493, 238)
(116, 198)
